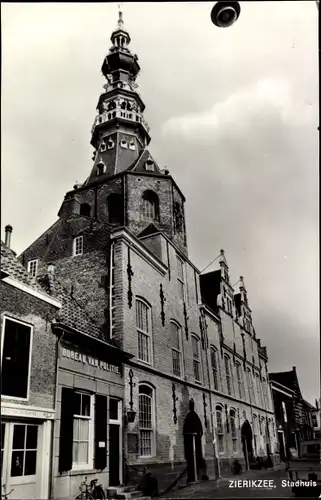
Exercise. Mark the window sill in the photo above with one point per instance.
(15, 398)
(143, 363)
(80, 472)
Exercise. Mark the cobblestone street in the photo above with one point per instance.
(223, 489)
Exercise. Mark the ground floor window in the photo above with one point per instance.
(233, 429)
(24, 450)
(146, 419)
(219, 429)
(82, 424)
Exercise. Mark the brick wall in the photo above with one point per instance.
(19, 305)
(86, 275)
(136, 185)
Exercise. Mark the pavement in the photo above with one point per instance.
(267, 483)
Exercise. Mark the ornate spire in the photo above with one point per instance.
(120, 23)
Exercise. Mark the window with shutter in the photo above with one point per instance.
(100, 432)
(66, 429)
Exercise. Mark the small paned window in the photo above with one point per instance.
(78, 246)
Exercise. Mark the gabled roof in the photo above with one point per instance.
(288, 379)
(139, 164)
(11, 266)
(149, 230)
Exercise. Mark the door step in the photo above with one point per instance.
(125, 493)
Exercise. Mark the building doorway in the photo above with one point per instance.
(21, 460)
(115, 442)
(193, 432)
(283, 451)
(247, 438)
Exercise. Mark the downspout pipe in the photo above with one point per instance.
(52, 475)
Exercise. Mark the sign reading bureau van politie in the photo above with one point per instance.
(80, 361)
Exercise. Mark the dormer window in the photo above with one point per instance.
(101, 168)
(33, 267)
(123, 143)
(132, 145)
(110, 144)
(103, 146)
(149, 166)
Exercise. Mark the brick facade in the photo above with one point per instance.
(139, 255)
(19, 305)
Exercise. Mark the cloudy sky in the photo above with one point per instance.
(233, 115)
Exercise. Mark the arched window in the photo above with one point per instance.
(196, 358)
(228, 374)
(175, 333)
(239, 378)
(143, 325)
(101, 168)
(233, 429)
(214, 363)
(150, 205)
(85, 209)
(115, 208)
(146, 420)
(219, 428)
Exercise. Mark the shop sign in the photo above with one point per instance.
(89, 360)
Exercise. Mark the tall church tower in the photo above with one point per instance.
(125, 186)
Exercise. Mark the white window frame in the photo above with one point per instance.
(174, 349)
(74, 246)
(220, 434)
(233, 435)
(181, 276)
(228, 375)
(90, 465)
(30, 354)
(215, 370)
(149, 209)
(197, 359)
(147, 333)
(153, 420)
(33, 264)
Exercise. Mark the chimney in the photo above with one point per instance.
(8, 231)
(316, 404)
